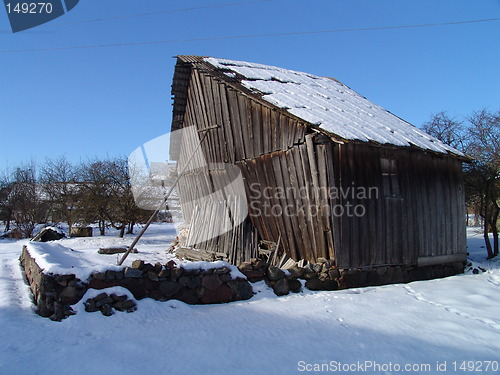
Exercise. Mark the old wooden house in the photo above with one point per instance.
(327, 173)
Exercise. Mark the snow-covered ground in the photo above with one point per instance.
(426, 325)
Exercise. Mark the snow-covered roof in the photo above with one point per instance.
(329, 104)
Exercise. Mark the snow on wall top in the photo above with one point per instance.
(54, 258)
(329, 104)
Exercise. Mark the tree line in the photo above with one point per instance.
(96, 191)
(478, 137)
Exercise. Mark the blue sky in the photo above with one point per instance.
(106, 101)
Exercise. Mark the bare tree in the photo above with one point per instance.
(446, 129)
(6, 201)
(29, 207)
(59, 182)
(482, 176)
(106, 195)
(95, 193)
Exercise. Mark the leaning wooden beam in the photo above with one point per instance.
(164, 200)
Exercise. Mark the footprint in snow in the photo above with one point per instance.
(419, 297)
(495, 280)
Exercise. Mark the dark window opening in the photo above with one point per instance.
(390, 178)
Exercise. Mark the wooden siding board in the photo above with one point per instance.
(240, 142)
(213, 137)
(287, 236)
(313, 214)
(381, 216)
(440, 204)
(418, 186)
(224, 142)
(448, 218)
(334, 183)
(274, 128)
(283, 132)
(427, 207)
(346, 182)
(364, 180)
(365, 177)
(278, 222)
(246, 124)
(226, 123)
(332, 201)
(453, 207)
(461, 217)
(255, 194)
(266, 221)
(342, 253)
(299, 204)
(291, 130)
(257, 127)
(409, 211)
(373, 209)
(325, 213)
(284, 181)
(458, 204)
(266, 130)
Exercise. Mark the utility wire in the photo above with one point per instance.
(250, 36)
(161, 12)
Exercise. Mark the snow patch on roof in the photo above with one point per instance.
(330, 105)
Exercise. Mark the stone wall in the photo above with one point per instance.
(54, 294)
(165, 282)
(325, 276)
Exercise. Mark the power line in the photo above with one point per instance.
(162, 12)
(252, 36)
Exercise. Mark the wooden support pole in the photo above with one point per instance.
(164, 200)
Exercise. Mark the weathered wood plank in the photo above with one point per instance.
(257, 127)
(276, 222)
(226, 123)
(274, 128)
(290, 131)
(295, 171)
(334, 181)
(283, 179)
(266, 130)
(313, 218)
(441, 259)
(246, 124)
(323, 193)
(237, 128)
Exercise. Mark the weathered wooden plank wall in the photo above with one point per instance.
(248, 131)
(427, 219)
(277, 151)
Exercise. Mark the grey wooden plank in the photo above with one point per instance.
(226, 123)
